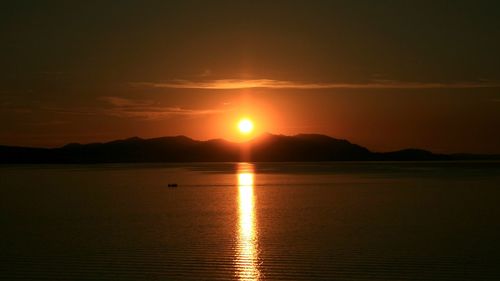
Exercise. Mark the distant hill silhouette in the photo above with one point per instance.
(267, 147)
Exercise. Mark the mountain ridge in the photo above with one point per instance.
(264, 148)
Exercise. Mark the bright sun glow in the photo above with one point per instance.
(245, 126)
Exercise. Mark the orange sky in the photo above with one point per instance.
(373, 73)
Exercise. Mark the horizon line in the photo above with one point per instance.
(250, 140)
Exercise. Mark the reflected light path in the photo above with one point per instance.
(246, 259)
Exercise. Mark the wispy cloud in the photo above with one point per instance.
(234, 84)
(147, 109)
(124, 107)
(122, 102)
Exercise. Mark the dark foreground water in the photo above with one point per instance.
(229, 221)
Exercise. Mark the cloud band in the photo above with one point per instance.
(235, 84)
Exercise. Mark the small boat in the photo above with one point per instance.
(172, 185)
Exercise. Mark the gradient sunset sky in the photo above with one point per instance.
(384, 74)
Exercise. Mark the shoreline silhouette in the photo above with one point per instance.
(265, 148)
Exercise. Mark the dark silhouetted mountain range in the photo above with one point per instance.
(266, 148)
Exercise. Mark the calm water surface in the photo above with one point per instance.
(242, 221)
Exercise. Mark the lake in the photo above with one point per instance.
(243, 221)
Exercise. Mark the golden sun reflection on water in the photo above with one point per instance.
(246, 250)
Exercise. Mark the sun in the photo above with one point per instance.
(245, 126)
